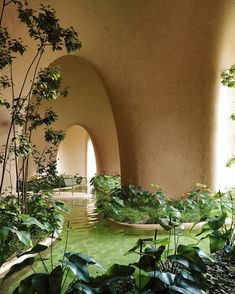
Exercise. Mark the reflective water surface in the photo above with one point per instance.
(106, 243)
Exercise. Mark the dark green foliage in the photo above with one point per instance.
(134, 204)
(18, 232)
(24, 106)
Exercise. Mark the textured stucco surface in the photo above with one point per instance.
(159, 62)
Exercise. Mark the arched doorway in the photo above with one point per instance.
(76, 153)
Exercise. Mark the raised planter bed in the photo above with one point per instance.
(152, 227)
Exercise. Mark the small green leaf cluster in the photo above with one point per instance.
(220, 230)
(19, 231)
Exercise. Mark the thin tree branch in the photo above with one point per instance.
(2, 11)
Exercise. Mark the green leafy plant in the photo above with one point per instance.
(105, 183)
(220, 233)
(20, 231)
(24, 106)
(161, 269)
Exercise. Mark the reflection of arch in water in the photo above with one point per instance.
(76, 153)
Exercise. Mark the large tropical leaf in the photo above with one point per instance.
(25, 286)
(217, 222)
(166, 277)
(192, 253)
(84, 288)
(185, 262)
(79, 269)
(4, 231)
(27, 220)
(23, 236)
(55, 280)
(217, 241)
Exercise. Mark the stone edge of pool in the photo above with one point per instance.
(183, 226)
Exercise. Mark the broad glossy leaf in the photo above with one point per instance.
(4, 233)
(166, 277)
(217, 222)
(186, 262)
(55, 280)
(32, 221)
(88, 259)
(191, 252)
(25, 286)
(157, 253)
(23, 236)
(188, 285)
(81, 270)
(84, 288)
(41, 283)
(217, 242)
(164, 222)
(196, 277)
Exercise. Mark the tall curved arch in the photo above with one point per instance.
(87, 105)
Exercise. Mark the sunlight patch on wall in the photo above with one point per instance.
(224, 145)
(91, 161)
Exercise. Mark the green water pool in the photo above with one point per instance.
(106, 243)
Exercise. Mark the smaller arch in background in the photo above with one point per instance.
(76, 153)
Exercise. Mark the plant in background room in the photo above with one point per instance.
(22, 101)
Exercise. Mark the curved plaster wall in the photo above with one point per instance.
(225, 127)
(72, 152)
(87, 105)
(159, 62)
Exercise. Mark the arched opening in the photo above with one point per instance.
(91, 161)
(76, 154)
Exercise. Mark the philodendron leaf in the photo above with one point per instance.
(157, 253)
(23, 236)
(32, 221)
(188, 285)
(217, 222)
(166, 277)
(192, 253)
(41, 283)
(88, 259)
(25, 286)
(195, 277)
(83, 288)
(55, 280)
(19, 266)
(217, 241)
(165, 223)
(4, 233)
(81, 271)
(186, 262)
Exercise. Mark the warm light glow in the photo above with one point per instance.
(224, 176)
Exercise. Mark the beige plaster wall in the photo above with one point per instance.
(72, 152)
(87, 105)
(159, 62)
